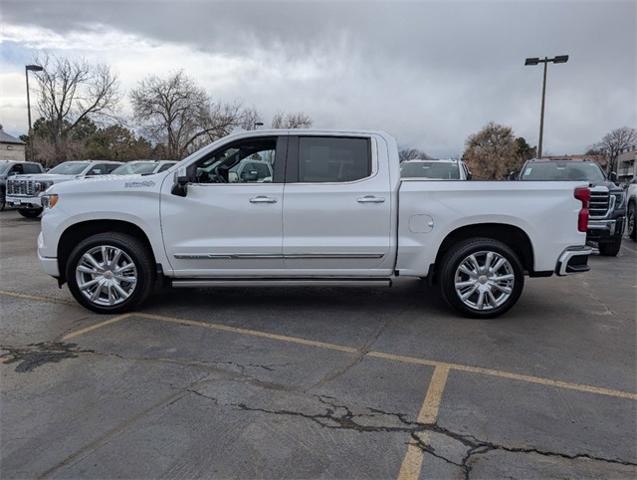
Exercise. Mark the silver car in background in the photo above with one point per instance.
(435, 169)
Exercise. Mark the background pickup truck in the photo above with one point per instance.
(24, 191)
(334, 212)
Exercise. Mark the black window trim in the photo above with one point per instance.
(293, 159)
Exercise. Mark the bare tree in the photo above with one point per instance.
(250, 119)
(291, 120)
(614, 142)
(492, 153)
(412, 154)
(178, 113)
(71, 91)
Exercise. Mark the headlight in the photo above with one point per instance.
(49, 200)
(42, 186)
(619, 199)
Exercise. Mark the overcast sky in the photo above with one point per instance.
(430, 73)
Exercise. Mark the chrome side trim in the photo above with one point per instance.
(282, 282)
(293, 256)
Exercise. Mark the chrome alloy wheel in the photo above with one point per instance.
(106, 275)
(484, 280)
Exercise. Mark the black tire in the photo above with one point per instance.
(138, 253)
(30, 212)
(457, 254)
(610, 249)
(631, 229)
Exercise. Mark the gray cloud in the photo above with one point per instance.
(429, 72)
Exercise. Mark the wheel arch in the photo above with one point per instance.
(75, 233)
(512, 236)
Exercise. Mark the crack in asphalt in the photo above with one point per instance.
(360, 355)
(341, 417)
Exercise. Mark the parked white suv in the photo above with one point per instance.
(24, 191)
(335, 212)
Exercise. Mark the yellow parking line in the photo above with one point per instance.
(82, 331)
(253, 333)
(36, 298)
(412, 462)
(510, 375)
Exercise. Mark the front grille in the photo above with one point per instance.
(600, 203)
(21, 187)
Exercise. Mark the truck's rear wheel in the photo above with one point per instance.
(481, 278)
(110, 272)
(30, 212)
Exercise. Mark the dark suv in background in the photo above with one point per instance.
(9, 168)
(607, 210)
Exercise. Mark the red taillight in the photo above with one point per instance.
(583, 194)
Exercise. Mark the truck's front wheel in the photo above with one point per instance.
(110, 272)
(30, 212)
(481, 277)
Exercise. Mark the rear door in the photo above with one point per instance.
(337, 207)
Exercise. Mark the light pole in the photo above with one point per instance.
(27, 69)
(545, 61)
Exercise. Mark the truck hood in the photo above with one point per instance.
(50, 177)
(110, 183)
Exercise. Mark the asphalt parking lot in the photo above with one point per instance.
(308, 383)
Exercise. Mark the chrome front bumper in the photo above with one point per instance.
(606, 226)
(573, 260)
(24, 201)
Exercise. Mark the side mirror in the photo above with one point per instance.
(180, 182)
(613, 177)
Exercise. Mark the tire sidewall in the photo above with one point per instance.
(453, 259)
(631, 216)
(134, 249)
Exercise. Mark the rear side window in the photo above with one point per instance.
(334, 159)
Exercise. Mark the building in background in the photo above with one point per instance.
(627, 165)
(11, 148)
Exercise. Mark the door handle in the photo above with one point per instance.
(262, 199)
(370, 199)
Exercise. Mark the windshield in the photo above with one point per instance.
(69, 168)
(437, 170)
(568, 170)
(135, 167)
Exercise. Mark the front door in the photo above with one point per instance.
(337, 208)
(230, 221)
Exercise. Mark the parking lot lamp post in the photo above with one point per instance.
(27, 69)
(545, 61)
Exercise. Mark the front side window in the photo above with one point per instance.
(70, 168)
(248, 161)
(333, 159)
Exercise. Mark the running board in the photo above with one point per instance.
(281, 282)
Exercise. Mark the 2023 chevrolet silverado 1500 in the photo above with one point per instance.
(333, 212)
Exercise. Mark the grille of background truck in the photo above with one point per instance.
(600, 203)
(21, 187)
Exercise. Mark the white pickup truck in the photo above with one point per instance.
(334, 211)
